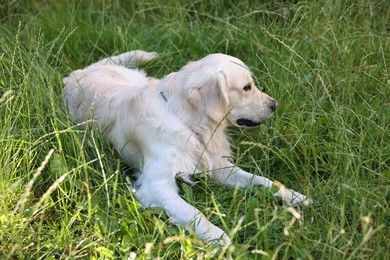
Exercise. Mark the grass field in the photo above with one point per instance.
(64, 193)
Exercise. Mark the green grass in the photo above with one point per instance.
(64, 193)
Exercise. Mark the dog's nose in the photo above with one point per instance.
(274, 105)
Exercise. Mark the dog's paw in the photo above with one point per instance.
(298, 199)
(223, 240)
(214, 235)
(292, 198)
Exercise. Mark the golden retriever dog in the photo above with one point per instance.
(174, 126)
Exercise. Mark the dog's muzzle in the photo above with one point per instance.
(247, 122)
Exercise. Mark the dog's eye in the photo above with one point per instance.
(247, 87)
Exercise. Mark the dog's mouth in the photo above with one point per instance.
(247, 122)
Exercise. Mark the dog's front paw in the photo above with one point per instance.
(296, 199)
(293, 198)
(224, 240)
(215, 235)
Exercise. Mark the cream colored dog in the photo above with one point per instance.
(176, 125)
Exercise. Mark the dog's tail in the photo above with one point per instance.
(131, 59)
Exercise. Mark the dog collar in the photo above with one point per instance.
(163, 96)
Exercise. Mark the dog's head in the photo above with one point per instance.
(222, 87)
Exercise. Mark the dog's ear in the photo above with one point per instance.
(207, 91)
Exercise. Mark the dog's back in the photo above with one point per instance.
(101, 81)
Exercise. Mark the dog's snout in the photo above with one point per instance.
(273, 105)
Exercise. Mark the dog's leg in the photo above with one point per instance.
(234, 176)
(161, 194)
(131, 59)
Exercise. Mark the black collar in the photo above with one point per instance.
(163, 96)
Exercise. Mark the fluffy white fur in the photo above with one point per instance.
(176, 125)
